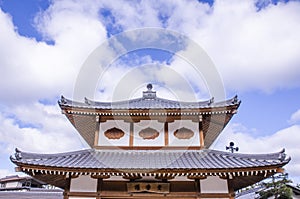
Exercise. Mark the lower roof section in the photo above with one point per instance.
(242, 169)
(147, 160)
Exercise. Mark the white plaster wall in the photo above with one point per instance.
(181, 178)
(139, 141)
(115, 178)
(83, 183)
(11, 184)
(213, 184)
(177, 124)
(123, 141)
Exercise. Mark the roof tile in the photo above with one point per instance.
(145, 159)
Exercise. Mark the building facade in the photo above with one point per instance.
(25, 187)
(16, 182)
(149, 147)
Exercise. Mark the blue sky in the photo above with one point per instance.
(254, 44)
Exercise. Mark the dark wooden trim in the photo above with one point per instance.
(230, 188)
(166, 129)
(221, 170)
(97, 130)
(83, 194)
(150, 147)
(67, 188)
(99, 187)
(201, 134)
(131, 135)
(197, 186)
(98, 111)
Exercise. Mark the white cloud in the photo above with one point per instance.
(295, 117)
(135, 14)
(31, 69)
(5, 172)
(131, 81)
(253, 50)
(287, 138)
(37, 128)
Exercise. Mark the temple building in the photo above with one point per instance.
(27, 187)
(149, 147)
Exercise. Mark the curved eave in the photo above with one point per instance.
(146, 104)
(241, 175)
(205, 161)
(230, 109)
(240, 178)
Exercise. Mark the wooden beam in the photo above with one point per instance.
(166, 129)
(97, 131)
(67, 188)
(149, 147)
(201, 134)
(131, 136)
(230, 189)
(99, 187)
(197, 186)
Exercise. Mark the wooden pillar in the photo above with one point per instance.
(230, 189)
(166, 129)
(99, 187)
(201, 134)
(197, 187)
(97, 130)
(131, 134)
(67, 188)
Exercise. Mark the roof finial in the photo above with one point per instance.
(149, 86)
(149, 94)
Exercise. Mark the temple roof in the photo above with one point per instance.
(148, 103)
(149, 160)
(242, 169)
(86, 115)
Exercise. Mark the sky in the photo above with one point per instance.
(254, 46)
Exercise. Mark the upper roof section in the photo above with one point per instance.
(87, 116)
(148, 101)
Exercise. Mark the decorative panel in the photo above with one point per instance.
(184, 133)
(114, 133)
(148, 133)
(214, 184)
(152, 187)
(83, 183)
